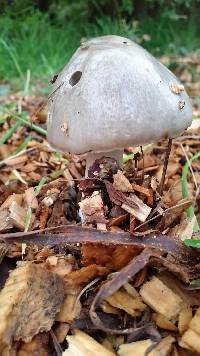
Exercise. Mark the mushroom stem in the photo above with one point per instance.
(91, 157)
(167, 154)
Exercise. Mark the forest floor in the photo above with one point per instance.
(126, 282)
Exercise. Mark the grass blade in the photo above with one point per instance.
(190, 210)
(24, 144)
(9, 133)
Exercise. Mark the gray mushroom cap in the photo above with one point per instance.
(113, 94)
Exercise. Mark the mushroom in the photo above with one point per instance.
(113, 94)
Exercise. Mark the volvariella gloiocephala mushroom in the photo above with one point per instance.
(113, 94)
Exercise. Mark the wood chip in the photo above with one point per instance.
(138, 348)
(18, 216)
(61, 330)
(191, 340)
(121, 182)
(92, 208)
(28, 303)
(164, 347)
(161, 298)
(70, 309)
(185, 229)
(163, 323)
(14, 197)
(5, 221)
(81, 344)
(67, 175)
(122, 300)
(184, 319)
(140, 211)
(30, 198)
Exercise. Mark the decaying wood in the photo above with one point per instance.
(161, 298)
(82, 344)
(29, 302)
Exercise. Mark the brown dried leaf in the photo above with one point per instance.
(75, 280)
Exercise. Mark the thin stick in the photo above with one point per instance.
(167, 154)
(190, 165)
(141, 149)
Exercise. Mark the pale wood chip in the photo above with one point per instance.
(5, 221)
(70, 309)
(131, 290)
(164, 347)
(73, 171)
(107, 308)
(13, 161)
(184, 319)
(191, 340)
(93, 208)
(59, 265)
(30, 198)
(121, 182)
(51, 196)
(122, 300)
(195, 322)
(61, 330)
(161, 298)
(14, 197)
(81, 344)
(140, 211)
(18, 216)
(28, 302)
(67, 175)
(163, 323)
(185, 229)
(135, 348)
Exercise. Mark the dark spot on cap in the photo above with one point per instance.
(76, 76)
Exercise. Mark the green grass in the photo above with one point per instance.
(36, 45)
